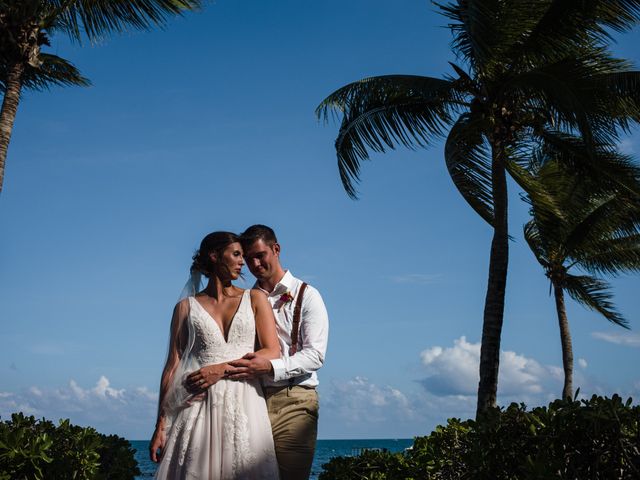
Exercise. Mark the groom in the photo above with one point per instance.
(290, 381)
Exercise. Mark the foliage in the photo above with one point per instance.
(38, 449)
(595, 226)
(597, 438)
(28, 25)
(584, 218)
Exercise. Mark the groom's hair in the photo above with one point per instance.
(258, 232)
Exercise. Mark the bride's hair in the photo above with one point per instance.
(215, 242)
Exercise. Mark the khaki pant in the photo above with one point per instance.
(293, 412)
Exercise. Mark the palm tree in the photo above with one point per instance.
(594, 226)
(27, 25)
(529, 71)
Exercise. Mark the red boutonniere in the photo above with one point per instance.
(285, 298)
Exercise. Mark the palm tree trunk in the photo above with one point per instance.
(8, 112)
(494, 301)
(565, 339)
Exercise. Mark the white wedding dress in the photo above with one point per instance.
(226, 436)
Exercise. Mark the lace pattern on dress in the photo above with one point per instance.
(236, 432)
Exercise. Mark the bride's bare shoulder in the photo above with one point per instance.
(258, 297)
(182, 307)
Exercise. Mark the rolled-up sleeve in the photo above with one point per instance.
(314, 335)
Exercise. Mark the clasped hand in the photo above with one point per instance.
(198, 381)
(249, 366)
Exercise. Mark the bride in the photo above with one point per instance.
(210, 427)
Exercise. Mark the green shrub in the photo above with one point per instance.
(597, 438)
(37, 449)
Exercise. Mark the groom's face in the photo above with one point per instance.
(262, 259)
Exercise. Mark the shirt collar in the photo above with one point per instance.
(285, 284)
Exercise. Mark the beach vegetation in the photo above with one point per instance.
(596, 438)
(40, 450)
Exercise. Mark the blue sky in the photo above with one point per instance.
(209, 125)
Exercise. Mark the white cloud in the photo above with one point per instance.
(146, 393)
(454, 371)
(102, 389)
(126, 412)
(619, 338)
(360, 400)
(419, 278)
(35, 391)
(77, 390)
(361, 408)
(582, 362)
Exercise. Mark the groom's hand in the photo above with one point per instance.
(249, 366)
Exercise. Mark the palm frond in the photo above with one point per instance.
(383, 112)
(594, 294)
(95, 18)
(476, 28)
(599, 229)
(484, 30)
(615, 95)
(468, 158)
(600, 164)
(568, 91)
(536, 243)
(594, 200)
(567, 24)
(52, 71)
(515, 21)
(601, 217)
(464, 44)
(597, 16)
(611, 256)
(537, 193)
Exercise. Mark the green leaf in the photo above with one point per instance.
(595, 295)
(468, 159)
(383, 112)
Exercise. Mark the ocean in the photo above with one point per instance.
(325, 451)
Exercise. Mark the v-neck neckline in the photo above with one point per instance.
(233, 317)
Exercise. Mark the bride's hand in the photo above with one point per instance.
(157, 443)
(202, 379)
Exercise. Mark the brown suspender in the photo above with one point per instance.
(297, 310)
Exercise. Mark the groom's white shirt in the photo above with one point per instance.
(312, 335)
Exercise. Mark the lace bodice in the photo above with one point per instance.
(209, 346)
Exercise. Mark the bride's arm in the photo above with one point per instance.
(265, 326)
(177, 340)
(258, 363)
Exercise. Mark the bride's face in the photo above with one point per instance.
(233, 259)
